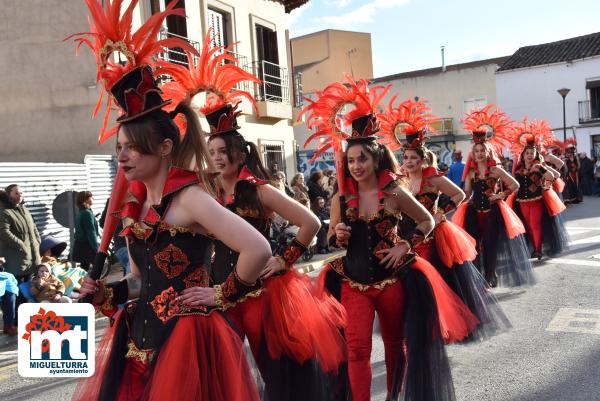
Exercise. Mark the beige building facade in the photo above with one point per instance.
(49, 93)
(319, 59)
(451, 92)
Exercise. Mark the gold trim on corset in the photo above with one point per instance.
(380, 285)
(224, 304)
(174, 230)
(144, 356)
(529, 200)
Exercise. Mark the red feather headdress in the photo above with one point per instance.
(215, 72)
(406, 125)
(531, 134)
(324, 113)
(110, 32)
(489, 126)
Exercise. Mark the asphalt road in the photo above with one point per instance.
(552, 353)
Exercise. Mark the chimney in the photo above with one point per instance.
(443, 61)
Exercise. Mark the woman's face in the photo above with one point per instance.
(300, 179)
(43, 272)
(529, 155)
(360, 163)
(136, 165)
(321, 203)
(217, 149)
(479, 153)
(412, 161)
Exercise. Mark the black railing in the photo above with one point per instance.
(177, 55)
(588, 112)
(298, 90)
(275, 82)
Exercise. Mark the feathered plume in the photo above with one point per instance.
(215, 72)
(536, 133)
(110, 32)
(325, 109)
(492, 126)
(412, 118)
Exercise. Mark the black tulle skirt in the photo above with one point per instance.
(466, 281)
(555, 239)
(503, 261)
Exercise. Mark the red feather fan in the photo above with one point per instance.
(215, 72)
(410, 118)
(110, 32)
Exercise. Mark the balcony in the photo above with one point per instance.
(273, 93)
(589, 112)
(177, 55)
(444, 126)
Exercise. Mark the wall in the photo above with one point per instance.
(532, 92)
(48, 93)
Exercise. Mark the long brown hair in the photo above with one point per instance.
(246, 154)
(149, 131)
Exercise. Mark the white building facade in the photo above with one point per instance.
(527, 86)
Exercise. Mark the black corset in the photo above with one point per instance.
(170, 260)
(530, 185)
(225, 257)
(361, 264)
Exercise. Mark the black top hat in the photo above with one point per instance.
(364, 127)
(223, 119)
(137, 93)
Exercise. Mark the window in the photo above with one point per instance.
(474, 103)
(595, 102)
(218, 20)
(273, 154)
(173, 26)
(269, 71)
(595, 145)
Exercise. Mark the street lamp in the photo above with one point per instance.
(564, 92)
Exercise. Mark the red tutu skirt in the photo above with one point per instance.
(202, 359)
(460, 214)
(302, 322)
(553, 203)
(453, 244)
(456, 320)
(558, 185)
(514, 225)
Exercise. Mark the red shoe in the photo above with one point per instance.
(11, 330)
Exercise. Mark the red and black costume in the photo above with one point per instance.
(296, 362)
(449, 248)
(412, 302)
(536, 203)
(417, 311)
(570, 174)
(157, 348)
(503, 256)
(155, 338)
(452, 251)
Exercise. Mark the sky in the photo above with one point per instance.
(406, 35)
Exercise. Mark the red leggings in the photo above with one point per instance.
(247, 319)
(532, 217)
(361, 307)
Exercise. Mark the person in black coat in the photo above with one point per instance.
(315, 189)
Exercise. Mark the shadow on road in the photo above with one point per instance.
(580, 385)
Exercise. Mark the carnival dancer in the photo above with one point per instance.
(379, 272)
(504, 259)
(536, 202)
(551, 153)
(570, 173)
(292, 331)
(172, 342)
(449, 248)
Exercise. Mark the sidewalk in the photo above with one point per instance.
(116, 273)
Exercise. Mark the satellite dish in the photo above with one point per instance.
(64, 208)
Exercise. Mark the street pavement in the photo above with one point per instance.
(552, 352)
